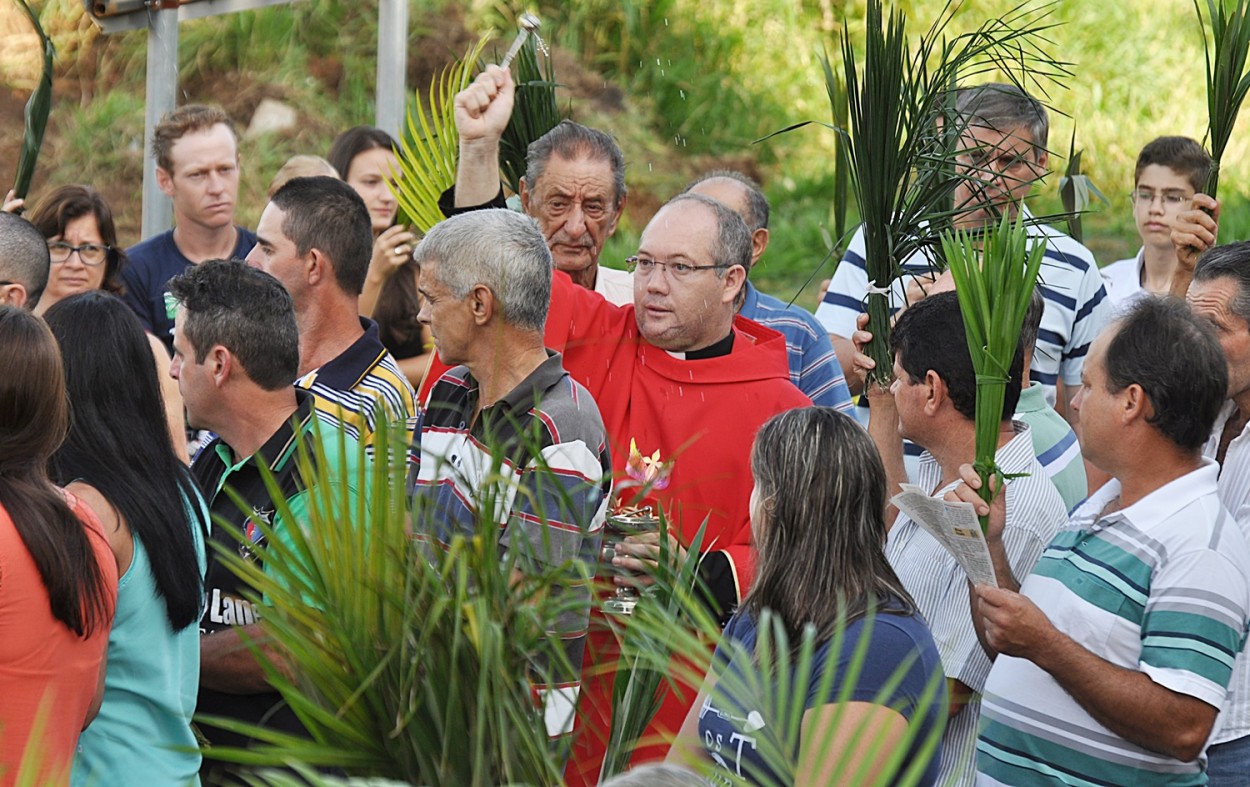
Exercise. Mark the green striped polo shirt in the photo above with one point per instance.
(1159, 587)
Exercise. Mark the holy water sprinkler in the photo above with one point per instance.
(529, 23)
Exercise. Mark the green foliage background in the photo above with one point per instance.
(699, 82)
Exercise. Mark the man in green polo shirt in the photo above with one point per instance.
(236, 353)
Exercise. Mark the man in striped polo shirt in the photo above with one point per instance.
(315, 236)
(1114, 656)
(933, 403)
(1006, 138)
(507, 428)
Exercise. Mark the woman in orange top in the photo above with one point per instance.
(58, 578)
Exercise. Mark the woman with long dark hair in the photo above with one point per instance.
(365, 157)
(155, 519)
(816, 514)
(82, 243)
(58, 578)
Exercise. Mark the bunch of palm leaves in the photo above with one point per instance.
(995, 271)
(406, 661)
(1227, 78)
(414, 663)
(903, 137)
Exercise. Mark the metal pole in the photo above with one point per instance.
(162, 93)
(392, 64)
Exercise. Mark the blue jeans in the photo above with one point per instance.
(1228, 763)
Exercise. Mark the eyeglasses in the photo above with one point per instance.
(1170, 199)
(678, 270)
(989, 164)
(89, 253)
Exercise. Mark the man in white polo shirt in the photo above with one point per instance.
(1220, 293)
(933, 402)
(1114, 657)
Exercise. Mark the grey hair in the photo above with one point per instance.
(1004, 107)
(757, 203)
(501, 249)
(657, 775)
(24, 257)
(733, 239)
(1230, 261)
(573, 141)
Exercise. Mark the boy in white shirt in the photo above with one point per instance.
(1170, 170)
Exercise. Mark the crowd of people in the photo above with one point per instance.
(152, 389)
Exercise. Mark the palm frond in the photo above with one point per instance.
(35, 115)
(1226, 50)
(1077, 191)
(995, 271)
(902, 135)
(415, 663)
(429, 148)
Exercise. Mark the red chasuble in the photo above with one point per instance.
(701, 416)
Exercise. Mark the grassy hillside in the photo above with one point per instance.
(685, 85)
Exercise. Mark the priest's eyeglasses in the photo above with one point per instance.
(678, 270)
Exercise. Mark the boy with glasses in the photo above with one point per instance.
(1170, 170)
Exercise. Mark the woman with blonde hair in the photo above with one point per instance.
(874, 685)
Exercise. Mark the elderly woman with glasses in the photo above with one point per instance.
(82, 242)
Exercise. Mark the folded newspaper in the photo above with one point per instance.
(955, 527)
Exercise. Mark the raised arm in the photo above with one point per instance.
(882, 420)
(482, 112)
(1194, 232)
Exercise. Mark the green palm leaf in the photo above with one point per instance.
(1077, 191)
(995, 271)
(38, 107)
(429, 147)
(1228, 81)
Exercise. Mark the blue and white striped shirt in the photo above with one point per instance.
(814, 367)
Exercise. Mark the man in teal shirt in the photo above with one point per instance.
(1054, 442)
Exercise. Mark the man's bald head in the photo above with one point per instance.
(742, 195)
(24, 262)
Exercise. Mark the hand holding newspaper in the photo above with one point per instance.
(955, 527)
